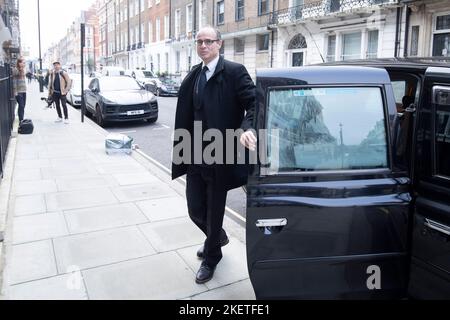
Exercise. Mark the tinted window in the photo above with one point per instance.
(326, 129)
(442, 101)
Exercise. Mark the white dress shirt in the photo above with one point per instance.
(211, 67)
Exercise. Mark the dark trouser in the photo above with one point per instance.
(57, 98)
(21, 101)
(206, 206)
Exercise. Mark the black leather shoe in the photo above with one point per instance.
(222, 243)
(204, 274)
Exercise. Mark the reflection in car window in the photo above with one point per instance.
(118, 84)
(442, 131)
(326, 129)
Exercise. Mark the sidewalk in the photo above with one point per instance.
(85, 225)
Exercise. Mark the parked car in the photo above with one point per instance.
(74, 95)
(351, 198)
(117, 98)
(146, 78)
(168, 88)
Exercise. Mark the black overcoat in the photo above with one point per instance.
(229, 103)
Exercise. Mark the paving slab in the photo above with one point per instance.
(83, 182)
(126, 179)
(23, 188)
(172, 234)
(101, 218)
(80, 199)
(232, 268)
(164, 208)
(26, 205)
(160, 277)
(143, 192)
(65, 287)
(31, 261)
(95, 249)
(38, 227)
(118, 168)
(27, 174)
(242, 290)
(32, 164)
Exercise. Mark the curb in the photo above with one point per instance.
(5, 194)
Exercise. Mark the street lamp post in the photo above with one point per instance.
(41, 82)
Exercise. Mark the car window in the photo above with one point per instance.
(442, 149)
(399, 87)
(118, 84)
(335, 128)
(148, 74)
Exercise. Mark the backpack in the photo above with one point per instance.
(26, 126)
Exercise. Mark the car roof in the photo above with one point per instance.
(407, 63)
(333, 74)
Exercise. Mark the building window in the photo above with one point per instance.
(441, 36)
(142, 5)
(351, 46)
(158, 30)
(239, 10)
(331, 48)
(150, 3)
(142, 33)
(372, 44)
(167, 62)
(158, 62)
(136, 34)
(263, 7)
(239, 45)
(177, 62)
(189, 18)
(166, 27)
(222, 48)
(220, 12)
(414, 51)
(262, 42)
(177, 23)
(203, 14)
(150, 32)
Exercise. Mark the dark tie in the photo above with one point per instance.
(201, 83)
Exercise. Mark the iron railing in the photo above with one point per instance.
(321, 9)
(7, 108)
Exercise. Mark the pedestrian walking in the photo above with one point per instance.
(59, 85)
(29, 77)
(220, 95)
(20, 86)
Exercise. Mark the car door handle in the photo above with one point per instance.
(271, 223)
(437, 226)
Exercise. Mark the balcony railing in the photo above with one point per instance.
(320, 9)
(248, 23)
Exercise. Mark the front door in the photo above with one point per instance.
(327, 211)
(430, 262)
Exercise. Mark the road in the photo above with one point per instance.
(155, 140)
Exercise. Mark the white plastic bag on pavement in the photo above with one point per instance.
(118, 143)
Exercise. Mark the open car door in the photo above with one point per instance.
(430, 261)
(327, 208)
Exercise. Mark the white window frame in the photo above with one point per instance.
(177, 22)
(150, 32)
(189, 18)
(435, 31)
(158, 29)
(166, 27)
(361, 46)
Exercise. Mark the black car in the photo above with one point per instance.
(351, 198)
(168, 88)
(120, 98)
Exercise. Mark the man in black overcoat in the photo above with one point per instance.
(218, 94)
